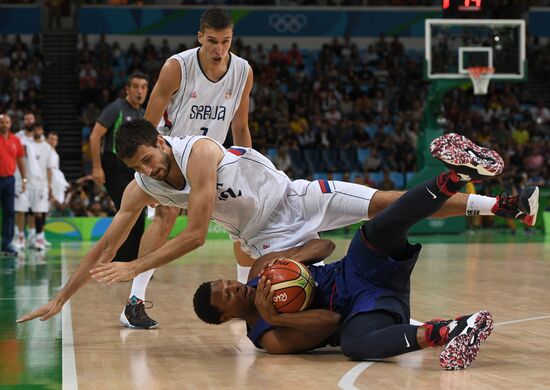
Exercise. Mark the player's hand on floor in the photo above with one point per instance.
(264, 300)
(45, 312)
(113, 272)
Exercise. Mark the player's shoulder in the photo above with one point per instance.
(238, 60)
(185, 55)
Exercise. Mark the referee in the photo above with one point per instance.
(104, 157)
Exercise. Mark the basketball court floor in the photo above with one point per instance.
(86, 347)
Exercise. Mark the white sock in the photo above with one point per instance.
(15, 231)
(139, 285)
(32, 232)
(480, 205)
(242, 273)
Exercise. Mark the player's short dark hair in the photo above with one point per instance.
(53, 132)
(132, 134)
(216, 19)
(203, 308)
(35, 125)
(136, 75)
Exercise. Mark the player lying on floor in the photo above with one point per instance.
(362, 301)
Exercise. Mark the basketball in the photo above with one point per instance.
(292, 285)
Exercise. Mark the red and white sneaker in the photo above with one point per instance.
(524, 206)
(468, 160)
(461, 337)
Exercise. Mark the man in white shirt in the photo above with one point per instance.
(21, 207)
(59, 183)
(40, 157)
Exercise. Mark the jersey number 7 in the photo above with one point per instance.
(204, 130)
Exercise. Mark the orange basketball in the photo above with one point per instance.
(292, 285)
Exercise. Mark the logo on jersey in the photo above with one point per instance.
(227, 94)
(236, 151)
(194, 95)
(325, 187)
(207, 112)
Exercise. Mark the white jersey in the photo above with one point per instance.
(201, 106)
(249, 187)
(25, 139)
(59, 183)
(39, 159)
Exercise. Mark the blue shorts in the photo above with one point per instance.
(367, 280)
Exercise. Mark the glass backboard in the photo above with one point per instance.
(454, 45)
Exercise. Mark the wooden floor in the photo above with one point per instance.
(510, 280)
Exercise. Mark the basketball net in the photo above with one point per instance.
(481, 76)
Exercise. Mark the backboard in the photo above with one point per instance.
(454, 45)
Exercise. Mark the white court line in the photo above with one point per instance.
(69, 363)
(347, 381)
(522, 320)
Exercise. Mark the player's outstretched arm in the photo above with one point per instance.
(239, 124)
(293, 332)
(133, 201)
(166, 86)
(202, 174)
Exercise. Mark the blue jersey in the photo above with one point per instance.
(364, 280)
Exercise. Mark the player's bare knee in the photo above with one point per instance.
(381, 200)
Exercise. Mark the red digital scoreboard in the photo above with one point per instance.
(462, 8)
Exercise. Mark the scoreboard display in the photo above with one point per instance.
(463, 9)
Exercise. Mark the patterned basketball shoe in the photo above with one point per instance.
(461, 338)
(468, 160)
(524, 206)
(135, 317)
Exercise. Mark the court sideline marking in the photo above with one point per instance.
(348, 379)
(69, 379)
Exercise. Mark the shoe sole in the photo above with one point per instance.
(461, 351)
(533, 203)
(457, 151)
(124, 321)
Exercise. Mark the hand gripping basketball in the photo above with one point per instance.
(292, 285)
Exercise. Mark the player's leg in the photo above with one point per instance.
(377, 335)
(244, 262)
(21, 206)
(39, 207)
(156, 235)
(523, 207)
(7, 193)
(388, 230)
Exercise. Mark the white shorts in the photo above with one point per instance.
(38, 200)
(21, 204)
(309, 208)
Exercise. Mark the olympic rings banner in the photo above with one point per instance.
(281, 22)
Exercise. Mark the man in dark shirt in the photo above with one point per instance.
(118, 176)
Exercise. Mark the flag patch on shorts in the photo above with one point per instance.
(325, 187)
(236, 151)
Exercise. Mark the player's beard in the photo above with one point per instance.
(167, 164)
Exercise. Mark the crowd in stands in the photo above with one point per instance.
(20, 77)
(342, 112)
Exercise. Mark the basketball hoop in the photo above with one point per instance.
(481, 76)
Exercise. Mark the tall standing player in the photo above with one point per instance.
(200, 91)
